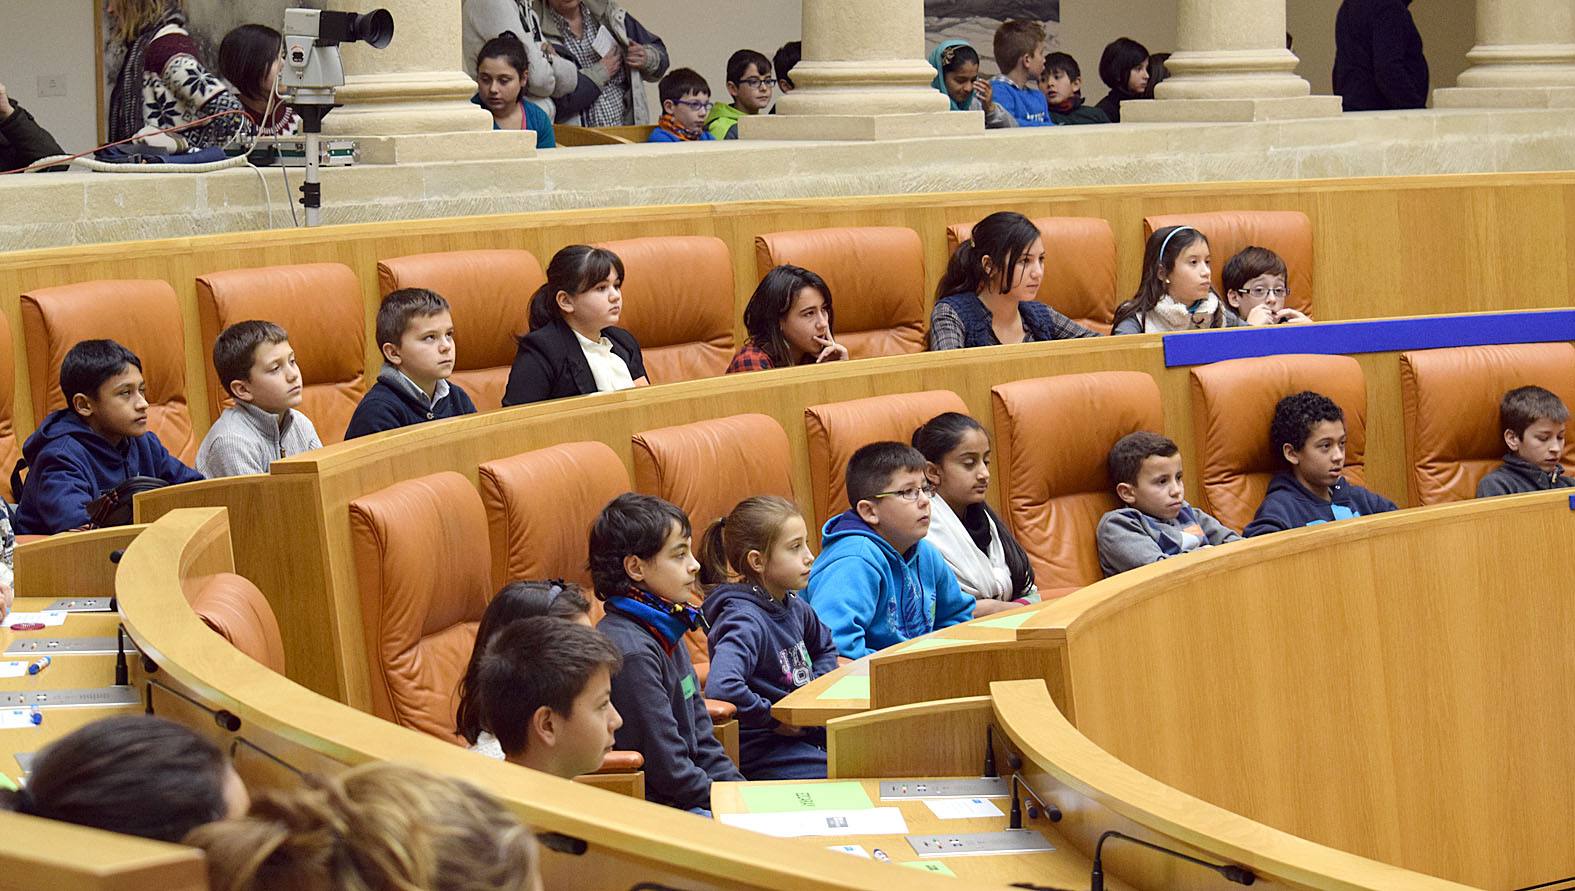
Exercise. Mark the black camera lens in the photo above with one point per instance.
(376, 28)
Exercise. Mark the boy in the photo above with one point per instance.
(641, 566)
(686, 98)
(1533, 422)
(544, 687)
(750, 83)
(1063, 84)
(1308, 431)
(1020, 54)
(415, 331)
(1255, 288)
(878, 582)
(786, 58)
(1157, 522)
(256, 367)
(99, 440)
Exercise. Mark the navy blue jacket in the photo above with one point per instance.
(1290, 506)
(761, 651)
(1517, 475)
(69, 464)
(664, 717)
(1378, 60)
(392, 403)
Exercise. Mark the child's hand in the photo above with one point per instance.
(1260, 315)
(547, 50)
(830, 351)
(636, 56)
(1292, 317)
(787, 730)
(981, 88)
(5, 104)
(612, 61)
(7, 596)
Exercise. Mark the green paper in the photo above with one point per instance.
(1015, 620)
(854, 686)
(933, 643)
(929, 866)
(7, 783)
(805, 797)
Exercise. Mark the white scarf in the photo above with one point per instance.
(1170, 314)
(983, 576)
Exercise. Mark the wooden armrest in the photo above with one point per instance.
(621, 762)
(720, 711)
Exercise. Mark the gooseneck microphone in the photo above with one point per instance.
(1016, 818)
(1241, 875)
(989, 752)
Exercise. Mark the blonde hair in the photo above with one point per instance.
(134, 16)
(377, 827)
(753, 525)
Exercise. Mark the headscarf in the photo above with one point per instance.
(938, 58)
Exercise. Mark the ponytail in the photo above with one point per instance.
(573, 270)
(544, 306)
(751, 526)
(713, 555)
(1004, 237)
(964, 273)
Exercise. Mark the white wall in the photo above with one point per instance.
(1087, 25)
(701, 34)
(53, 38)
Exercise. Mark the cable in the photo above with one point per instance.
(60, 159)
(267, 196)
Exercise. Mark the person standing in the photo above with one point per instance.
(1378, 60)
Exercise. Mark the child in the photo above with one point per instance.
(1020, 54)
(686, 98)
(765, 641)
(878, 582)
(1255, 289)
(1309, 433)
(501, 72)
(750, 83)
(256, 367)
(1533, 422)
(133, 774)
(1063, 85)
(1124, 69)
(415, 331)
(987, 295)
(250, 57)
(1176, 293)
(990, 565)
(640, 561)
(785, 59)
(1157, 522)
(956, 67)
(544, 687)
(789, 323)
(99, 440)
(575, 346)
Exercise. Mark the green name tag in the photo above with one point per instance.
(689, 687)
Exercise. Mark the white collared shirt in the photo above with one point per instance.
(608, 370)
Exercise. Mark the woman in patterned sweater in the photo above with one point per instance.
(163, 83)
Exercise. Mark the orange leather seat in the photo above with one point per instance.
(678, 303)
(1052, 441)
(876, 276)
(707, 467)
(1451, 398)
(10, 444)
(142, 315)
(424, 585)
(320, 305)
(232, 606)
(1286, 232)
(1080, 267)
(838, 429)
(489, 293)
(1232, 405)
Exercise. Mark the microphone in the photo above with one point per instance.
(122, 671)
(114, 557)
(989, 752)
(1016, 820)
(1241, 875)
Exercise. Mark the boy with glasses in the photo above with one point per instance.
(686, 99)
(750, 83)
(877, 581)
(1255, 288)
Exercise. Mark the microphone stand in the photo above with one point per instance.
(1241, 875)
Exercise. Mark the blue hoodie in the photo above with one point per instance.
(761, 651)
(1028, 105)
(1290, 506)
(69, 464)
(872, 597)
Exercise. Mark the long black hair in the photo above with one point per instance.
(1159, 258)
(1004, 237)
(573, 270)
(517, 600)
(769, 305)
(935, 440)
(245, 55)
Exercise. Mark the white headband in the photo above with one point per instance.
(1166, 243)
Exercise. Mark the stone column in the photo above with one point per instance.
(1524, 57)
(414, 85)
(1231, 64)
(863, 77)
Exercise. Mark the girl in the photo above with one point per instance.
(987, 295)
(765, 642)
(574, 346)
(250, 57)
(1255, 288)
(517, 600)
(501, 68)
(789, 323)
(1176, 292)
(988, 561)
(1124, 69)
(162, 82)
(956, 67)
(548, 74)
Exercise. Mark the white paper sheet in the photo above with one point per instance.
(962, 808)
(13, 669)
(16, 718)
(855, 850)
(48, 618)
(872, 821)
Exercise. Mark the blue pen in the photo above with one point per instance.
(36, 715)
(38, 665)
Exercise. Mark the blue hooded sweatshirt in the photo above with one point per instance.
(70, 464)
(761, 651)
(872, 597)
(1290, 506)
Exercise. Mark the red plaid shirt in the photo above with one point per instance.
(750, 358)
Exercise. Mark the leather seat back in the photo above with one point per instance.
(10, 443)
(678, 304)
(1286, 232)
(1080, 267)
(707, 467)
(876, 277)
(232, 606)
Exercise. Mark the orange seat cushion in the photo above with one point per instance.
(232, 606)
(10, 444)
(678, 304)
(876, 277)
(707, 467)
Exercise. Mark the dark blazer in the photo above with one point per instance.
(1378, 60)
(551, 365)
(23, 141)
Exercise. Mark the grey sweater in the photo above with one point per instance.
(246, 439)
(1129, 538)
(1518, 475)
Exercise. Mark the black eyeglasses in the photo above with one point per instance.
(754, 82)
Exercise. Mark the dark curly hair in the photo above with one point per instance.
(1296, 415)
(629, 524)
